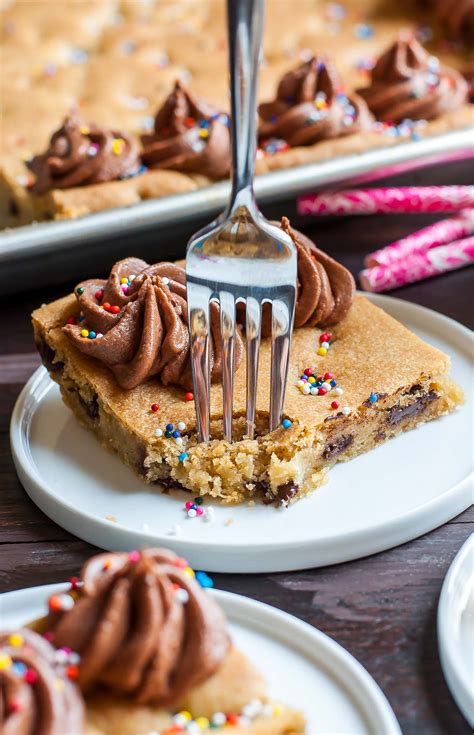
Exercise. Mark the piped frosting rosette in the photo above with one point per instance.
(310, 105)
(136, 323)
(408, 83)
(143, 626)
(190, 136)
(37, 693)
(325, 288)
(80, 153)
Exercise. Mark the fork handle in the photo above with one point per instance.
(244, 24)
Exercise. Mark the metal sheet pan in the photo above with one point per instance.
(47, 238)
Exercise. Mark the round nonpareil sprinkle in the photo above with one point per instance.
(204, 580)
(154, 408)
(182, 595)
(373, 398)
(15, 640)
(61, 602)
(31, 676)
(183, 456)
(286, 423)
(345, 410)
(189, 396)
(5, 661)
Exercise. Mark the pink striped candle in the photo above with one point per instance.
(419, 266)
(430, 237)
(404, 199)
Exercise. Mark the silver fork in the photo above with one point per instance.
(241, 257)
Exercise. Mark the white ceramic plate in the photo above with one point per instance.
(456, 629)
(396, 492)
(303, 667)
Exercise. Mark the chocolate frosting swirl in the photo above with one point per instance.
(136, 636)
(80, 153)
(148, 336)
(190, 136)
(310, 106)
(36, 698)
(458, 17)
(408, 83)
(325, 287)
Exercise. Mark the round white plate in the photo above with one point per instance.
(398, 491)
(303, 667)
(456, 629)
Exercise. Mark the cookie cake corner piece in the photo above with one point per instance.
(119, 350)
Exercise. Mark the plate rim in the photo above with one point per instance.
(342, 667)
(453, 672)
(315, 553)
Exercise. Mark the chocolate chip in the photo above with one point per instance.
(337, 447)
(171, 484)
(48, 357)
(263, 487)
(332, 417)
(398, 413)
(287, 491)
(13, 208)
(91, 407)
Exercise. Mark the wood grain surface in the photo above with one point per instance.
(382, 608)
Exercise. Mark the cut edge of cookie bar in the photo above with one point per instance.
(18, 206)
(281, 466)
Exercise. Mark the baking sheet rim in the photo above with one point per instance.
(282, 184)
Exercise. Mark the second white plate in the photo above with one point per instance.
(402, 489)
(456, 629)
(303, 667)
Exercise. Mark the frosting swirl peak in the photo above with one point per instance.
(325, 287)
(145, 629)
(36, 695)
(190, 136)
(137, 324)
(311, 106)
(81, 154)
(408, 83)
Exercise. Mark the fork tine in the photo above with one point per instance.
(198, 302)
(227, 321)
(282, 325)
(253, 334)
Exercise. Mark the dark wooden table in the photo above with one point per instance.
(382, 609)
